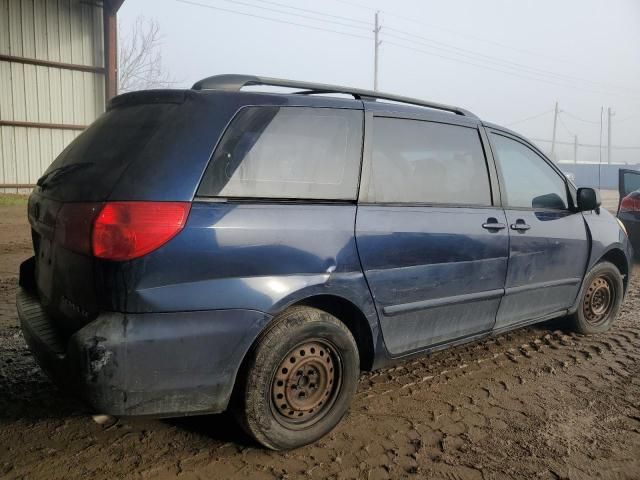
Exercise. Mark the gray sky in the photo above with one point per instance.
(505, 59)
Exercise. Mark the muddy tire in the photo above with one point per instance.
(298, 380)
(600, 299)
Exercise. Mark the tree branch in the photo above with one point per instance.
(140, 59)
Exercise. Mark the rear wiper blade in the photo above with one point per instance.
(57, 172)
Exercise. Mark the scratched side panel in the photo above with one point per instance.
(257, 256)
(413, 254)
(546, 265)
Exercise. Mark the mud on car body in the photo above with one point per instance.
(215, 248)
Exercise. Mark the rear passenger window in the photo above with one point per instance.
(415, 161)
(529, 181)
(288, 152)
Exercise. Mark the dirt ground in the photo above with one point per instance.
(536, 403)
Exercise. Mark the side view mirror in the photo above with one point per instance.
(588, 199)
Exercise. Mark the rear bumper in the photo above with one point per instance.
(160, 364)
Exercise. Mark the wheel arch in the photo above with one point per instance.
(341, 308)
(618, 258)
(355, 320)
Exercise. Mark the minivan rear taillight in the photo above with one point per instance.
(119, 230)
(630, 203)
(127, 230)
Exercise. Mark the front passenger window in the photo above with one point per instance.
(529, 181)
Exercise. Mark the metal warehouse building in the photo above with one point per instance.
(57, 67)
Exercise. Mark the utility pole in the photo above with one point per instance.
(600, 145)
(553, 137)
(376, 44)
(609, 115)
(575, 149)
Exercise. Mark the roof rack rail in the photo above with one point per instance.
(234, 82)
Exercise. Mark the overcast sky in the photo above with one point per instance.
(505, 60)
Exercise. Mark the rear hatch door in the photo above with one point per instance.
(71, 193)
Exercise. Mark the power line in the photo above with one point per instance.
(306, 17)
(333, 22)
(624, 119)
(316, 12)
(589, 145)
(459, 32)
(564, 125)
(529, 118)
(358, 5)
(486, 67)
(451, 30)
(580, 119)
(448, 49)
(625, 147)
(486, 40)
(520, 70)
(322, 29)
(489, 58)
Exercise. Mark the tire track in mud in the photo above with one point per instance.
(495, 386)
(510, 347)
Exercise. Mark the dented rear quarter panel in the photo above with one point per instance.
(257, 256)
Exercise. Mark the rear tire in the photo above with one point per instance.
(600, 300)
(299, 379)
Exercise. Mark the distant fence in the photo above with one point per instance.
(594, 175)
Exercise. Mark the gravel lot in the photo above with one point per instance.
(537, 403)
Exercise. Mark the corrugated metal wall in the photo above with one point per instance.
(66, 31)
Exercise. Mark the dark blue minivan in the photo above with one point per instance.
(225, 248)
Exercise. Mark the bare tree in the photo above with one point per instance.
(140, 58)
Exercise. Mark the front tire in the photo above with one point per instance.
(299, 379)
(600, 300)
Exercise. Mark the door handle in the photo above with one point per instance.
(520, 225)
(493, 224)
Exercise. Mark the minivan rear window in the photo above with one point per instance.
(117, 136)
(90, 166)
(288, 153)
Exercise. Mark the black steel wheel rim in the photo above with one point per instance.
(306, 384)
(599, 300)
